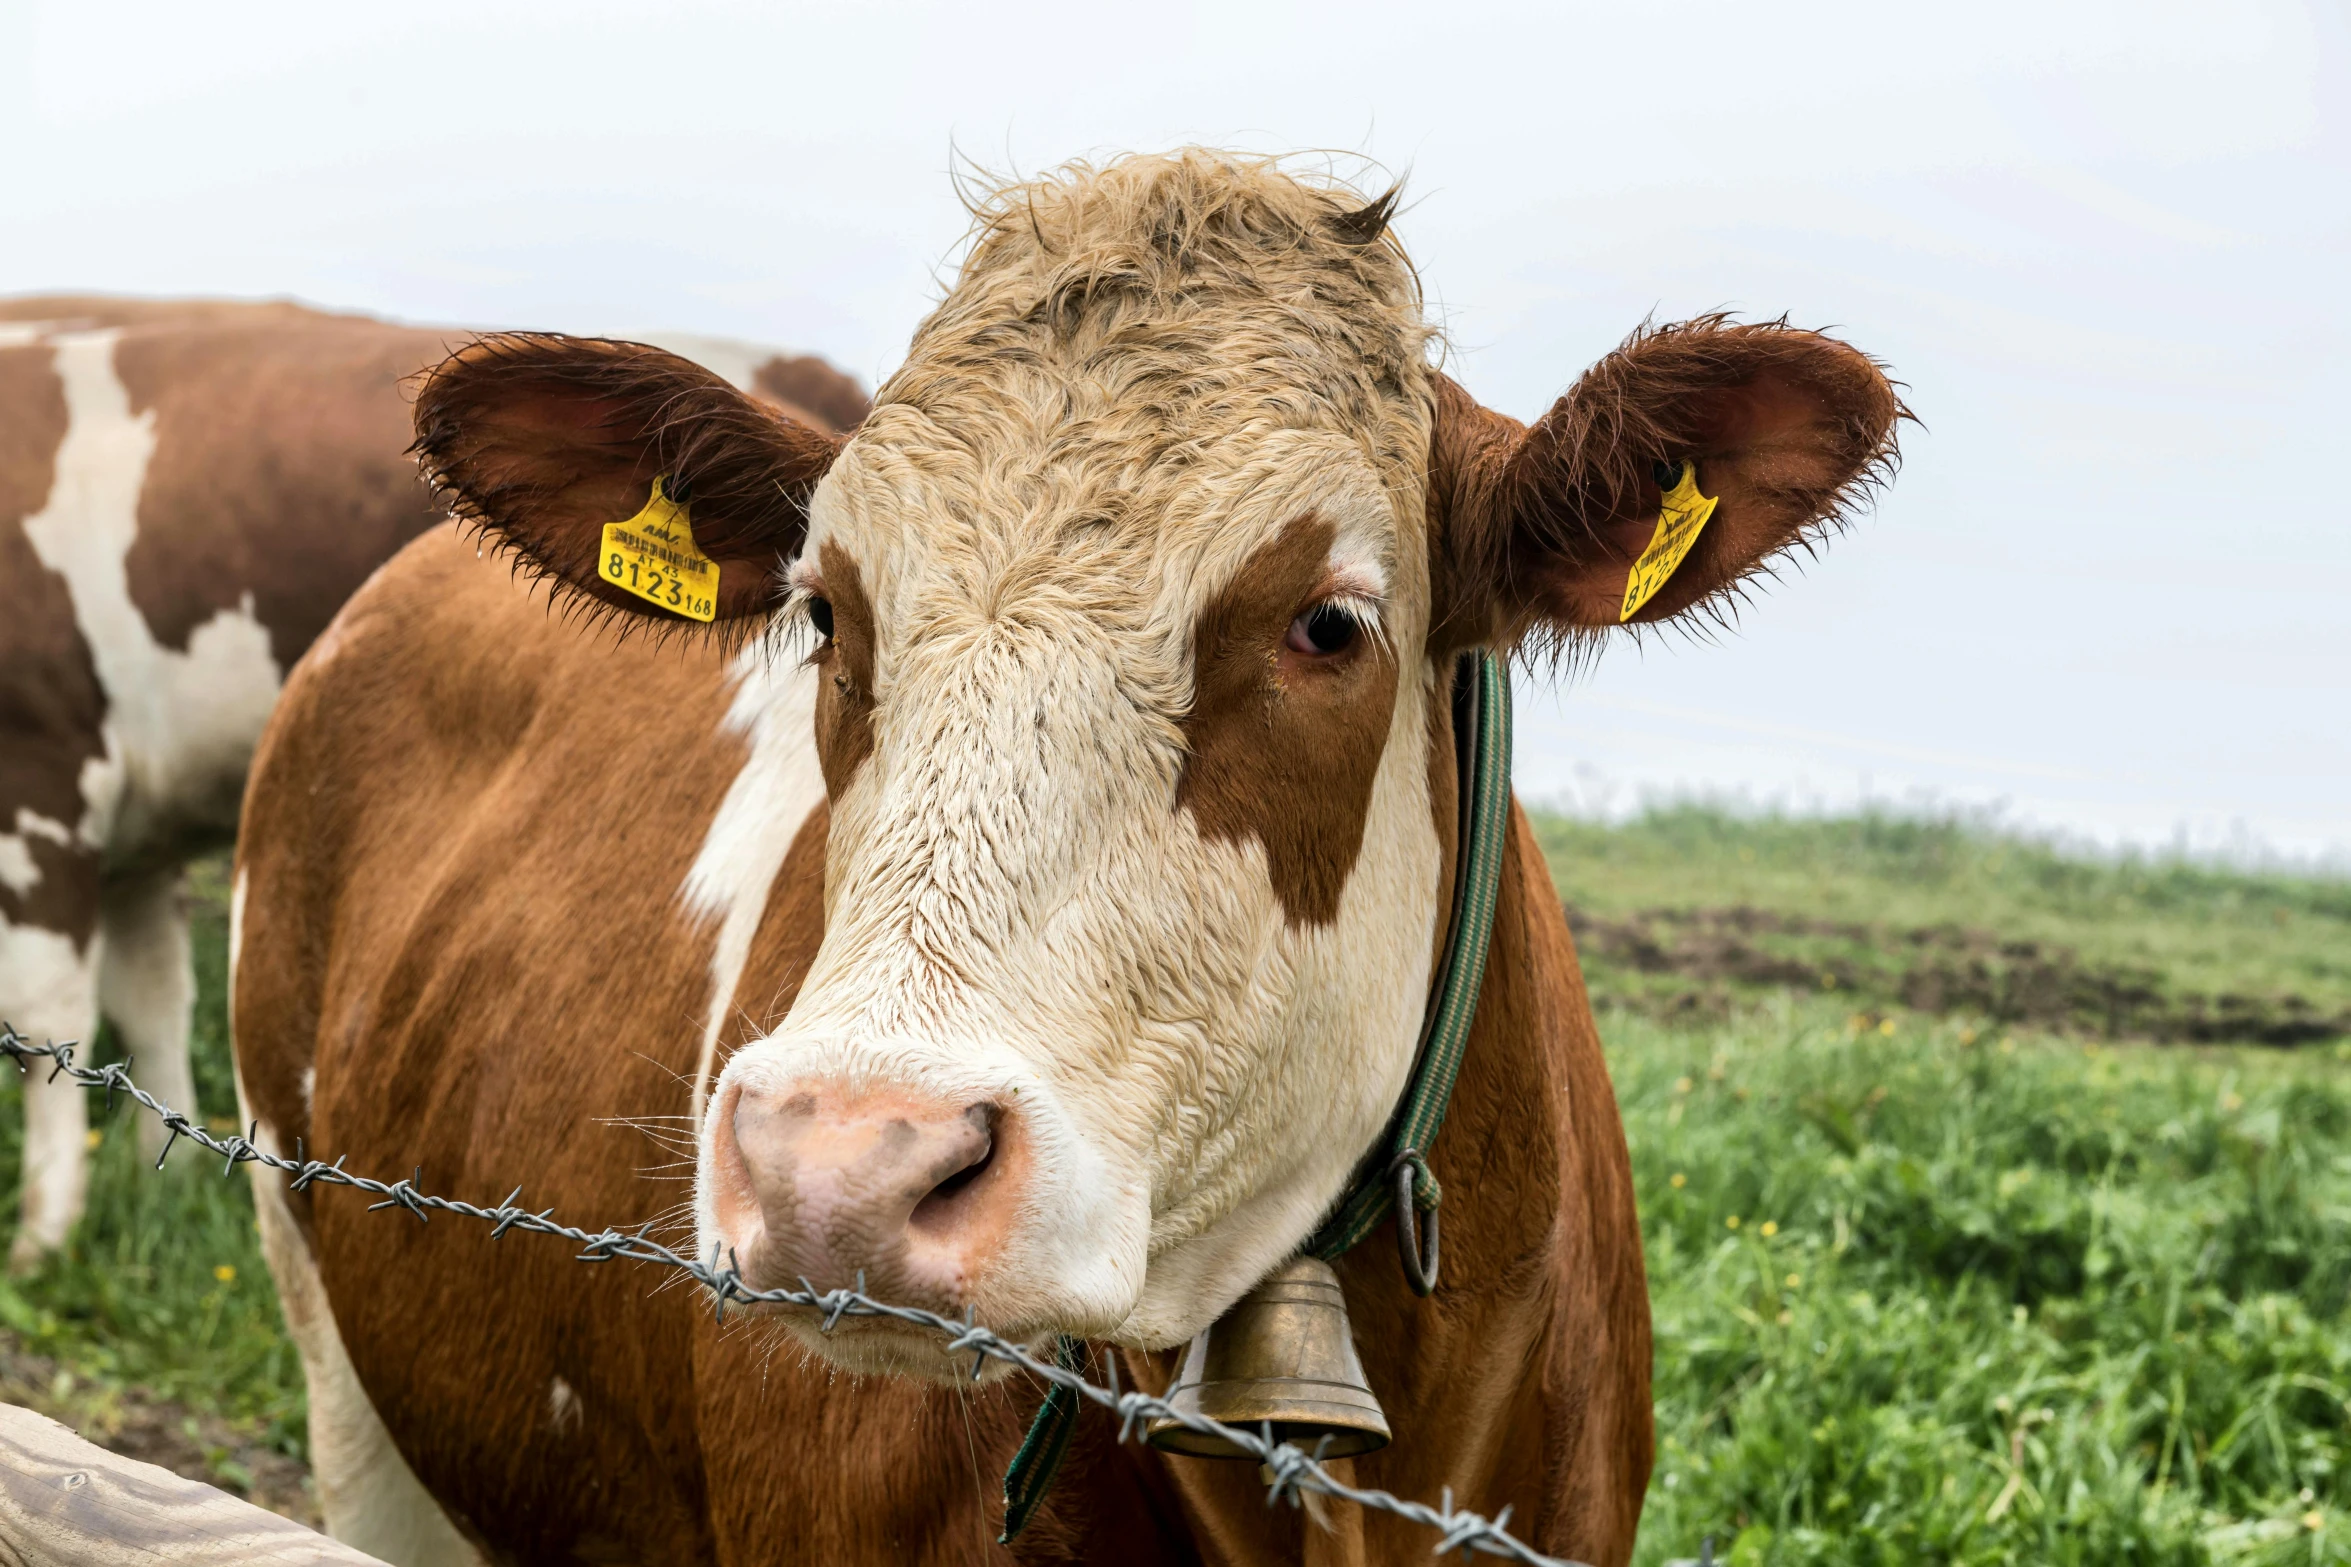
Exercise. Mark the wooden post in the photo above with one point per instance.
(67, 1503)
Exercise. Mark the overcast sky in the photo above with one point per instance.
(2108, 247)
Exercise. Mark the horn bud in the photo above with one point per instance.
(1284, 1355)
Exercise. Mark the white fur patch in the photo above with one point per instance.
(563, 1407)
(17, 867)
(236, 925)
(765, 807)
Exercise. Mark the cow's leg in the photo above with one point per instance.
(147, 987)
(49, 956)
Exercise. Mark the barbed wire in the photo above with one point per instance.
(1288, 1468)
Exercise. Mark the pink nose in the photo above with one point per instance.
(916, 1193)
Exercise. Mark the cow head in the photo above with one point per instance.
(1132, 605)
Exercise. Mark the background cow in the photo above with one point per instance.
(1040, 904)
(188, 492)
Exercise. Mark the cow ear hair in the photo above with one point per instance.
(538, 440)
(1538, 527)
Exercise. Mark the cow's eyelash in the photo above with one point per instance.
(1368, 611)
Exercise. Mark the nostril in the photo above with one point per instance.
(948, 1189)
(939, 1207)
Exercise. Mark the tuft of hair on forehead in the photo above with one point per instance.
(1184, 280)
(1177, 220)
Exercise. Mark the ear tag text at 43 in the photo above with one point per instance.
(1683, 513)
(653, 555)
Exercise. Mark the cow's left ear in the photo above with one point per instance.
(542, 440)
(1539, 528)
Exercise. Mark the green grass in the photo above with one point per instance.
(1997, 1292)
(162, 1285)
(1920, 1299)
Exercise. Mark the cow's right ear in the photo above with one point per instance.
(541, 440)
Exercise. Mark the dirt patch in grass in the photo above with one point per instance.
(134, 1423)
(1936, 969)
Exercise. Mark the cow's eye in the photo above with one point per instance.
(1322, 631)
(820, 615)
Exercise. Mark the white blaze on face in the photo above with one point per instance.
(765, 807)
(180, 726)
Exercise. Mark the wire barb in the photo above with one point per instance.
(1289, 1469)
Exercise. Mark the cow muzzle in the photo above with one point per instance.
(815, 1182)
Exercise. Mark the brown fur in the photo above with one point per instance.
(1282, 749)
(808, 383)
(50, 703)
(262, 434)
(844, 702)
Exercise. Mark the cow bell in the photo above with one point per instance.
(1282, 1355)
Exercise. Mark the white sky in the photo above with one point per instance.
(2107, 246)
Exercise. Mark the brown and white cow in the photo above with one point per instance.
(188, 493)
(1032, 904)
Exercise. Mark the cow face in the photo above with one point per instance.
(1131, 608)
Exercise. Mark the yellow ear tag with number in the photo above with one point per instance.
(1685, 511)
(654, 556)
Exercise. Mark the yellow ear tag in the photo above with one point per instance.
(654, 556)
(1685, 511)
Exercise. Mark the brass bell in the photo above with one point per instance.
(1283, 1354)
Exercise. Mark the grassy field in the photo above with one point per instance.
(1949, 1262)
(1982, 1224)
(1691, 911)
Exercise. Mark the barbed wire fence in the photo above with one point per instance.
(1288, 1469)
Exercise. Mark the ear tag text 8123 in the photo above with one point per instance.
(654, 556)
(1683, 513)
